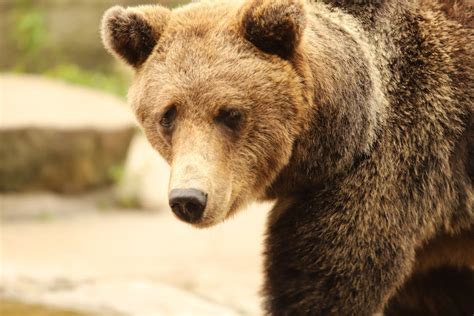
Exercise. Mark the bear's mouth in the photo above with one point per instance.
(214, 216)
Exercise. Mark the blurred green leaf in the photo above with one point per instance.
(116, 173)
(32, 42)
(113, 83)
(28, 34)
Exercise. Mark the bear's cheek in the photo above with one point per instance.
(157, 140)
(271, 152)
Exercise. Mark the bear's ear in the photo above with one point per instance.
(132, 33)
(274, 26)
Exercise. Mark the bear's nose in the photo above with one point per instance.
(188, 204)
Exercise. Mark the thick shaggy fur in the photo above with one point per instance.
(357, 117)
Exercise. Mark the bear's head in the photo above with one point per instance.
(218, 93)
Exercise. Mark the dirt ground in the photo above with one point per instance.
(14, 308)
(129, 262)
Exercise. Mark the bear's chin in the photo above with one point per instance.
(218, 217)
(208, 222)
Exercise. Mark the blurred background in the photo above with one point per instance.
(85, 227)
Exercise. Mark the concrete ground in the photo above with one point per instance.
(128, 262)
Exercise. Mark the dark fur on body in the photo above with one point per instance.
(357, 117)
(345, 240)
(441, 291)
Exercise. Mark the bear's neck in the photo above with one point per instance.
(348, 105)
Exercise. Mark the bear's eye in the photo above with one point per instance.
(231, 118)
(168, 118)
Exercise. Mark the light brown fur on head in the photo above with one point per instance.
(207, 63)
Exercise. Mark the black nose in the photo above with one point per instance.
(188, 204)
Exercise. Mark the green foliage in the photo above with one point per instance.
(45, 216)
(29, 34)
(37, 53)
(116, 84)
(128, 202)
(116, 172)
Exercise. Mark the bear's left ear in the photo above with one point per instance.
(274, 26)
(131, 34)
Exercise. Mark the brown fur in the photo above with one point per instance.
(461, 11)
(276, 28)
(356, 116)
(129, 34)
(445, 290)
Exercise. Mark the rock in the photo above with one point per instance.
(60, 137)
(145, 178)
(45, 206)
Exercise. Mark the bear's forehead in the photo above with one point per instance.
(204, 16)
(202, 83)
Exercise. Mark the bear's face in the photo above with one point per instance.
(216, 95)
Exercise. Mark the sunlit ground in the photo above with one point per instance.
(15, 308)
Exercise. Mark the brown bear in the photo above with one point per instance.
(355, 116)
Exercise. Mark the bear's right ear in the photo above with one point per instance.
(132, 33)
